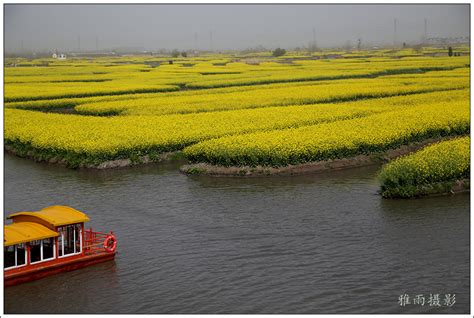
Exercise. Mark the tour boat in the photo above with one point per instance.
(50, 241)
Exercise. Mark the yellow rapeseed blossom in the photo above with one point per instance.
(339, 139)
(232, 110)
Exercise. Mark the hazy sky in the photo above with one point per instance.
(49, 27)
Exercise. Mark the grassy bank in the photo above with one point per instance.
(440, 168)
(306, 168)
(83, 160)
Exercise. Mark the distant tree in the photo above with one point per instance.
(450, 51)
(175, 53)
(278, 52)
(257, 49)
(359, 44)
(184, 54)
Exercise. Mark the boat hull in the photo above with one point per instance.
(54, 267)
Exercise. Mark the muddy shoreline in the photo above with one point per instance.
(307, 168)
(234, 171)
(443, 188)
(110, 164)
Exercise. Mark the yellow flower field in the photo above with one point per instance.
(118, 137)
(340, 139)
(232, 109)
(328, 91)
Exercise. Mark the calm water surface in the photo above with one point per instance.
(325, 243)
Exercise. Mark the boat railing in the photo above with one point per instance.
(94, 241)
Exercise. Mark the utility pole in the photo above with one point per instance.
(313, 45)
(195, 41)
(210, 39)
(425, 33)
(79, 43)
(394, 32)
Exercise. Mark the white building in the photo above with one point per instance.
(59, 56)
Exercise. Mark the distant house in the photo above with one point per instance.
(59, 56)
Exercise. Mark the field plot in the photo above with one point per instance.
(442, 167)
(227, 111)
(340, 139)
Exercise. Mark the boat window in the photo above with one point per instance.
(77, 238)
(48, 248)
(20, 254)
(41, 250)
(60, 241)
(35, 251)
(9, 256)
(14, 255)
(70, 239)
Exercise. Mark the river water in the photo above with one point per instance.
(325, 243)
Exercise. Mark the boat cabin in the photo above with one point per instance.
(51, 240)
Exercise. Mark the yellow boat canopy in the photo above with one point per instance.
(23, 232)
(53, 216)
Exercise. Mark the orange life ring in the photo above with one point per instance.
(110, 243)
